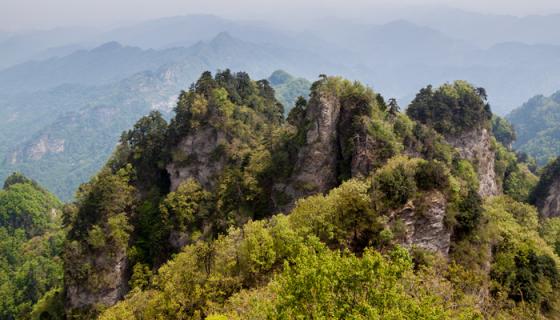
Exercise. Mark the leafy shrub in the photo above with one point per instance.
(396, 182)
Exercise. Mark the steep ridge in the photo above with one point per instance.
(350, 171)
(77, 113)
(464, 120)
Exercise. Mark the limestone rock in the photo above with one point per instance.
(476, 145)
(425, 227)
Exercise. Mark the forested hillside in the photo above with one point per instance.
(31, 242)
(537, 126)
(345, 208)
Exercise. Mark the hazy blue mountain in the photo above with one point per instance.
(60, 98)
(20, 47)
(487, 29)
(396, 57)
(107, 63)
(288, 88)
(75, 127)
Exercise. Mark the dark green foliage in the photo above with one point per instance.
(146, 152)
(432, 175)
(451, 109)
(297, 114)
(16, 178)
(469, 214)
(537, 126)
(398, 184)
(393, 107)
(530, 271)
(31, 241)
(515, 177)
(421, 139)
(503, 131)
(25, 205)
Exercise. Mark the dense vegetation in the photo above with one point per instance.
(536, 124)
(451, 108)
(31, 240)
(183, 221)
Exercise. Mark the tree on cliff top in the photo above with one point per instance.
(452, 108)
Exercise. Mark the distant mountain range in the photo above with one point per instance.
(66, 94)
(62, 135)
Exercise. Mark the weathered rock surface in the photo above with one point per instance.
(198, 158)
(425, 227)
(38, 149)
(334, 147)
(550, 205)
(316, 166)
(109, 286)
(476, 146)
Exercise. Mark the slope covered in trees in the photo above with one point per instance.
(537, 124)
(384, 217)
(31, 241)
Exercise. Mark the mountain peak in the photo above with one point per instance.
(223, 38)
(109, 46)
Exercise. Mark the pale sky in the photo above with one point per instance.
(27, 14)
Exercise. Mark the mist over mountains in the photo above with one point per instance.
(75, 90)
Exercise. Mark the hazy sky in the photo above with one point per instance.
(25, 14)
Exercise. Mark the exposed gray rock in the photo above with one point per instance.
(325, 156)
(425, 227)
(196, 157)
(476, 146)
(316, 166)
(550, 206)
(38, 149)
(111, 282)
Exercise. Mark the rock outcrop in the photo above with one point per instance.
(197, 156)
(317, 162)
(425, 227)
(111, 283)
(549, 206)
(337, 146)
(546, 195)
(476, 145)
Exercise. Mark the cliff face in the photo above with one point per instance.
(196, 156)
(111, 282)
(337, 146)
(425, 226)
(316, 166)
(550, 205)
(546, 195)
(229, 140)
(476, 145)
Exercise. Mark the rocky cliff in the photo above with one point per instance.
(476, 145)
(425, 227)
(546, 195)
(337, 144)
(107, 286)
(228, 157)
(197, 157)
